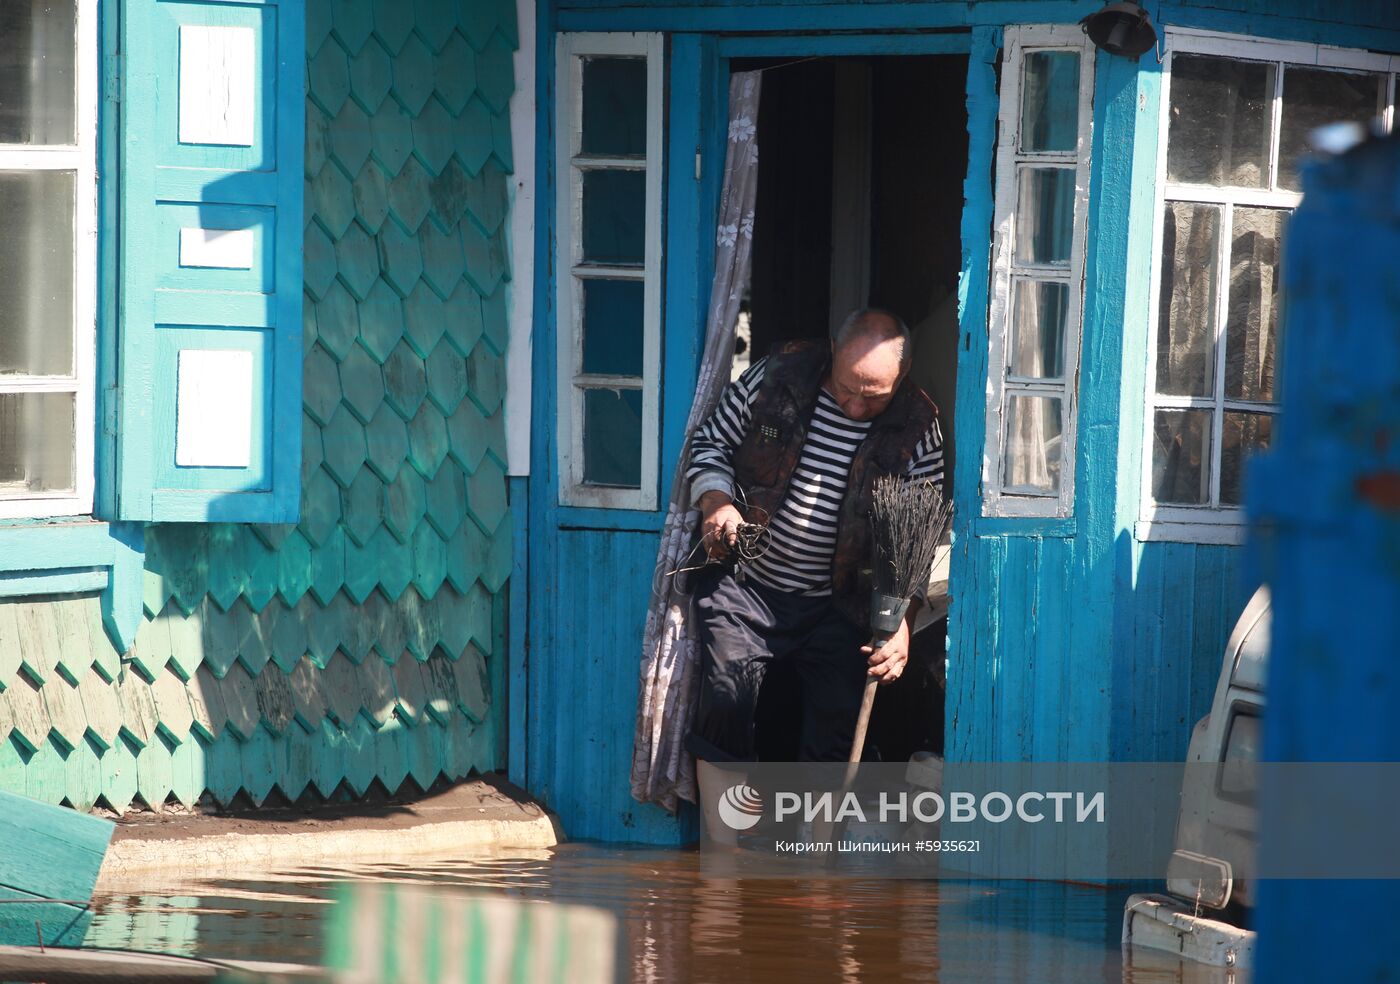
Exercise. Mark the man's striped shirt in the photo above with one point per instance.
(803, 533)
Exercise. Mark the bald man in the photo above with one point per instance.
(796, 444)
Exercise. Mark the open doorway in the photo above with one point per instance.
(859, 203)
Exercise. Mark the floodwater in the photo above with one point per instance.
(677, 925)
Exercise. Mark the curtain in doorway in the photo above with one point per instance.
(663, 772)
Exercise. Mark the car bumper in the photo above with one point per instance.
(1159, 922)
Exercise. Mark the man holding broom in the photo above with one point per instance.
(796, 445)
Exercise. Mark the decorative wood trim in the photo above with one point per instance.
(79, 555)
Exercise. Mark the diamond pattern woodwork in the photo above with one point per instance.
(360, 644)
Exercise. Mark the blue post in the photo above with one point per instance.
(1325, 502)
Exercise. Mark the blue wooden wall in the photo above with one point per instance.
(1069, 639)
(1074, 620)
(581, 582)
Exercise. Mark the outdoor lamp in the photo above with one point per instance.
(1121, 29)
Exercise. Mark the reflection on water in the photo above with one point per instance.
(679, 926)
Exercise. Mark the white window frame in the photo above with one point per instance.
(82, 159)
(571, 272)
(1212, 523)
(996, 499)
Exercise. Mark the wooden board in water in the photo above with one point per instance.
(49, 860)
(54, 966)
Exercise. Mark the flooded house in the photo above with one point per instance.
(348, 347)
(1084, 225)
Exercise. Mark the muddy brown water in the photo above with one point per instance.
(678, 925)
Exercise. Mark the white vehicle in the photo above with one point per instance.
(1204, 915)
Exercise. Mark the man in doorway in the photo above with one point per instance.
(796, 444)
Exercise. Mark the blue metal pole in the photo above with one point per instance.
(1324, 504)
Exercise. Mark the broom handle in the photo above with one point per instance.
(867, 701)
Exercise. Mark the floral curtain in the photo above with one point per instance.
(663, 772)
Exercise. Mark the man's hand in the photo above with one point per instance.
(887, 663)
(719, 524)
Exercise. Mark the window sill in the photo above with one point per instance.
(1065, 527)
(64, 580)
(48, 544)
(77, 555)
(54, 556)
(63, 508)
(1228, 534)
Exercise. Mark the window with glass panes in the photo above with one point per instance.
(47, 257)
(609, 286)
(1238, 115)
(1038, 272)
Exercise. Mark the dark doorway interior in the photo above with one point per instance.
(916, 129)
(791, 281)
(860, 190)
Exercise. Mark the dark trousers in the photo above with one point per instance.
(746, 627)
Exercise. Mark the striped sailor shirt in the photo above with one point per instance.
(803, 532)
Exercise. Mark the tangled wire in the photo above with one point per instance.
(751, 541)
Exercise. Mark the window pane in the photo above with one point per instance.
(1312, 98)
(1050, 102)
(1251, 331)
(1181, 457)
(38, 96)
(612, 437)
(1038, 329)
(1239, 774)
(612, 327)
(36, 273)
(1186, 310)
(1219, 130)
(1032, 460)
(1242, 434)
(614, 106)
(614, 217)
(36, 443)
(1045, 215)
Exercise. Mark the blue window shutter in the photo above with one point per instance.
(210, 284)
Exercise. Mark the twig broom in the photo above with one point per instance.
(907, 522)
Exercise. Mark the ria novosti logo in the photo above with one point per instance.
(740, 807)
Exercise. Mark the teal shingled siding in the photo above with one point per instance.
(366, 643)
